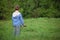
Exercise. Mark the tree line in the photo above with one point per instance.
(30, 8)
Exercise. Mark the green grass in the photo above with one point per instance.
(37, 29)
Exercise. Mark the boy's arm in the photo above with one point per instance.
(22, 20)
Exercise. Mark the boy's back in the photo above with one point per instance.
(17, 18)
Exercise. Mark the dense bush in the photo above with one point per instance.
(30, 8)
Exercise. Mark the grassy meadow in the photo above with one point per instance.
(37, 29)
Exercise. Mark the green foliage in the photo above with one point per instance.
(30, 8)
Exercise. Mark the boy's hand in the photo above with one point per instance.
(24, 25)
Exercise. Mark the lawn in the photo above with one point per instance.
(37, 29)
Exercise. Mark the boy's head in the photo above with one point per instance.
(16, 7)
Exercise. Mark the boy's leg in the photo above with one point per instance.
(17, 30)
(14, 30)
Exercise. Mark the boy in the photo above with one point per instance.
(17, 20)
